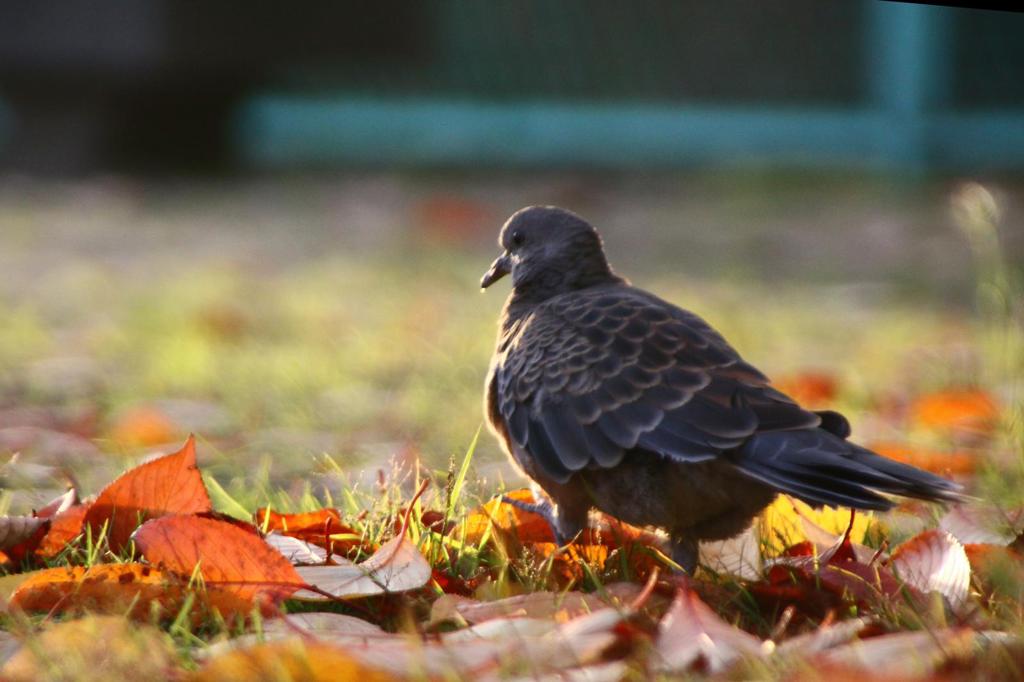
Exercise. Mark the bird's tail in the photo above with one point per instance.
(823, 469)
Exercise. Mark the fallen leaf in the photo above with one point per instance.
(823, 638)
(810, 389)
(292, 659)
(515, 528)
(903, 655)
(228, 557)
(935, 561)
(398, 566)
(739, 556)
(978, 524)
(15, 530)
(297, 552)
(323, 625)
(788, 521)
(452, 218)
(9, 645)
(9, 585)
(171, 484)
(557, 606)
(322, 527)
(142, 427)
(691, 634)
(821, 582)
(114, 588)
(59, 504)
(946, 463)
(956, 411)
(64, 527)
(94, 648)
(509, 520)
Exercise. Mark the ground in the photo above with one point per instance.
(324, 335)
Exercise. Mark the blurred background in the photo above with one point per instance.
(267, 226)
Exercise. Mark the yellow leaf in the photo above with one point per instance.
(93, 648)
(292, 659)
(783, 523)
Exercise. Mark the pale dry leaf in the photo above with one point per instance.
(501, 628)
(323, 624)
(612, 671)
(560, 606)
(298, 552)
(508, 644)
(398, 566)
(9, 645)
(691, 633)
(903, 655)
(59, 504)
(935, 561)
(824, 638)
(739, 556)
(17, 529)
(983, 524)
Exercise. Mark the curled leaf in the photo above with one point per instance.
(935, 561)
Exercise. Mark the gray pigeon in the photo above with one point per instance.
(609, 397)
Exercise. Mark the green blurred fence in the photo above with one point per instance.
(667, 83)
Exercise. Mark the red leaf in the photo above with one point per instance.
(228, 557)
(171, 484)
(65, 527)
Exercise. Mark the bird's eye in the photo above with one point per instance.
(517, 238)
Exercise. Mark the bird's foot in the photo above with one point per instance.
(549, 512)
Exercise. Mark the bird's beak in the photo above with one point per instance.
(499, 268)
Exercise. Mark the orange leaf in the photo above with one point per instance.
(292, 659)
(810, 389)
(929, 460)
(523, 526)
(171, 484)
(114, 588)
(65, 527)
(315, 527)
(142, 427)
(965, 411)
(228, 557)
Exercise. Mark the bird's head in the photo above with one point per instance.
(549, 250)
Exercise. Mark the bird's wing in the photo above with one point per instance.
(593, 374)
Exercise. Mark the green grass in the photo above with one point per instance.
(303, 373)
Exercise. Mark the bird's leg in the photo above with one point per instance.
(562, 526)
(685, 552)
